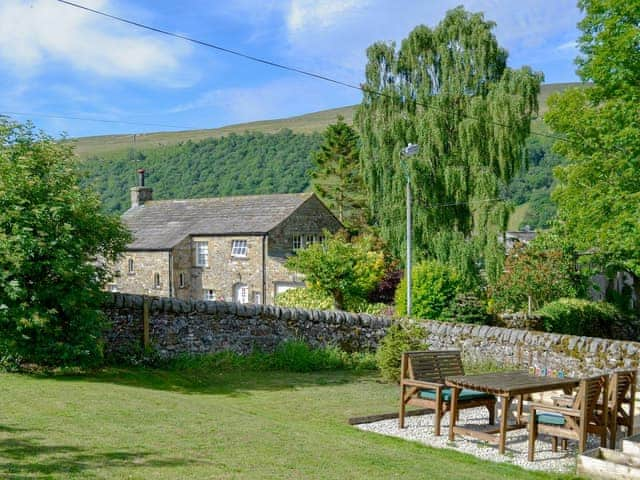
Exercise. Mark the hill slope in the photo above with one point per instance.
(312, 122)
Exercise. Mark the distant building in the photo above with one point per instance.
(511, 238)
(227, 248)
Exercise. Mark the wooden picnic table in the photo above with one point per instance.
(507, 386)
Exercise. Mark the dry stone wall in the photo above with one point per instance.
(177, 326)
(573, 355)
(195, 327)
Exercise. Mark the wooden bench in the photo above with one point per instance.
(422, 377)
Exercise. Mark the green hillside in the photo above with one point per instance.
(267, 157)
(309, 123)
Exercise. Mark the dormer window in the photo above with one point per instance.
(239, 248)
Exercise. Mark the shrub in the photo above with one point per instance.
(467, 308)
(399, 338)
(305, 298)
(435, 286)
(315, 299)
(541, 271)
(580, 317)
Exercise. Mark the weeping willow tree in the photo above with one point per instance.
(448, 89)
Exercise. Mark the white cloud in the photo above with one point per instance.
(320, 13)
(35, 33)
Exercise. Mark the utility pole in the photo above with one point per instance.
(408, 151)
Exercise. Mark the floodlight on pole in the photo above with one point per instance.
(408, 151)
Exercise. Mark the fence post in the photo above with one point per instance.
(145, 322)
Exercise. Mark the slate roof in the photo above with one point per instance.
(161, 224)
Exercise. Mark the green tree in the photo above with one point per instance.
(598, 192)
(348, 271)
(543, 271)
(53, 243)
(448, 89)
(434, 288)
(336, 176)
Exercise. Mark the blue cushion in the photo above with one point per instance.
(550, 418)
(462, 396)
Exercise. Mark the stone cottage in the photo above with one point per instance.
(227, 248)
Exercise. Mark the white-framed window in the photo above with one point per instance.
(311, 239)
(113, 287)
(181, 280)
(210, 295)
(241, 293)
(132, 266)
(257, 298)
(297, 242)
(202, 254)
(156, 280)
(239, 248)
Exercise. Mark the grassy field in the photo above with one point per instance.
(516, 217)
(153, 424)
(312, 122)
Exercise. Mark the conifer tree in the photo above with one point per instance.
(448, 89)
(336, 176)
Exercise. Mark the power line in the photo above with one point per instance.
(88, 119)
(470, 202)
(281, 66)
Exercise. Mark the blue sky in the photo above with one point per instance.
(58, 60)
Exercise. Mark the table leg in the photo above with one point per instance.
(504, 415)
(453, 414)
(519, 411)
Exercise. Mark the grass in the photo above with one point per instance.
(141, 423)
(515, 219)
(312, 122)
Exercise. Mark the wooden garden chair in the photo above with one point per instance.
(572, 421)
(422, 376)
(622, 393)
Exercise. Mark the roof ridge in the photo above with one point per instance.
(303, 195)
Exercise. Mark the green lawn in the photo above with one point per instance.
(152, 424)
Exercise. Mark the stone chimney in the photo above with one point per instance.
(140, 194)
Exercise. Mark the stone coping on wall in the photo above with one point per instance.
(176, 306)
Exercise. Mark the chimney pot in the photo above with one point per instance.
(140, 193)
(141, 177)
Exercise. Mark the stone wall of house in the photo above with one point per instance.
(177, 326)
(141, 280)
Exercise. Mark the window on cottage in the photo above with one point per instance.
(210, 295)
(297, 242)
(239, 248)
(311, 239)
(202, 254)
(113, 287)
(181, 280)
(156, 280)
(241, 293)
(131, 266)
(257, 298)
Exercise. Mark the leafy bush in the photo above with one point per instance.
(305, 298)
(467, 308)
(51, 233)
(580, 317)
(315, 299)
(346, 270)
(541, 271)
(399, 338)
(435, 286)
